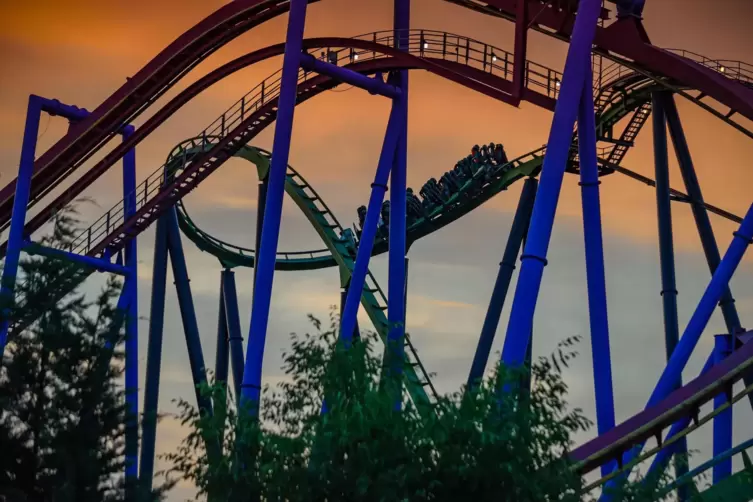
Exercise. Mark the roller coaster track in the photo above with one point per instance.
(330, 230)
(624, 39)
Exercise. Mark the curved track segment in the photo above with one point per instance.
(330, 230)
(625, 39)
(473, 64)
(140, 91)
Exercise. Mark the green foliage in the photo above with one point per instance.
(480, 445)
(63, 411)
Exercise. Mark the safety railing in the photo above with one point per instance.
(424, 43)
(739, 71)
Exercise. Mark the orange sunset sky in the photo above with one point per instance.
(79, 51)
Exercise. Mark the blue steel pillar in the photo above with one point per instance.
(266, 254)
(555, 161)
(18, 216)
(132, 319)
(221, 361)
(397, 229)
(504, 276)
(154, 356)
(366, 243)
(667, 255)
(235, 339)
(595, 273)
(187, 312)
(723, 345)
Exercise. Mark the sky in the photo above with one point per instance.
(79, 51)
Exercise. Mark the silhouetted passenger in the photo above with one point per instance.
(361, 211)
(414, 208)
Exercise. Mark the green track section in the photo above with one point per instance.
(373, 299)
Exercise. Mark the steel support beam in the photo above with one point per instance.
(693, 187)
(266, 254)
(18, 216)
(397, 229)
(132, 319)
(222, 356)
(521, 49)
(555, 161)
(235, 338)
(667, 256)
(372, 84)
(502, 284)
(595, 269)
(98, 264)
(723, 346)
(187, 312)
(154, 357)
(366, 243)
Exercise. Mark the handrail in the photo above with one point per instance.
(423, 42)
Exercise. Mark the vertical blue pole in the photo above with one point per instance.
(595, 273)
(221, 360)
(18, 216)
(230, 297)
(667, 257)
(261, 203)
(154, 357)
(397, 229)
(555, 161)
(723, 346)
(366, 244)
(132, 319)
(504, 276)
(701, 216)
(187, 312)
(266, 254)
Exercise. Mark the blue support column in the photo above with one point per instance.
(504, 276)
(723, 346)
(235, 339)
(154, 356)
(373, 85)
(132, 319)
(555, 161)
(366, 243)
(221, 360)
(266, 254)
(187, 312)
(595, 270)
(18, 216)
(397, 229)
(667, 256)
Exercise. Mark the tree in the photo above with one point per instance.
(63, 410)
(481, 445)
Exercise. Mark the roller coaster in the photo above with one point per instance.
(613, 82)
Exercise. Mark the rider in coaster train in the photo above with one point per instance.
(413, 205)
(361, 218)
(350, 240)
(384, 230)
